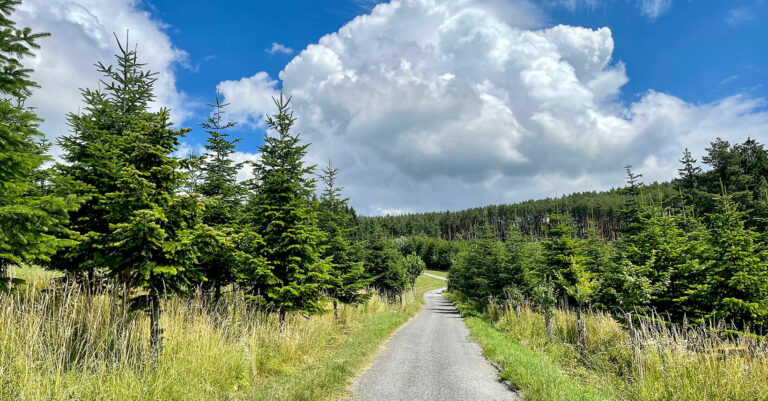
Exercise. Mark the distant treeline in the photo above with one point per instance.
(741, 169)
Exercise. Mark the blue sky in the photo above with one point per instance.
(438, 104)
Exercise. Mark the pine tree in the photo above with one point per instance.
(31, 221)
(283, 216)
(218, 181)
(384, 265)
(94, 153)
(689, 172)
(136, 228)
(476, 272)
(737, 277)
(346, 275)
(562, 255)
(215, 239)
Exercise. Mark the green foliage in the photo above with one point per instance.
(347, 279)
(437, 254)
(736, 277)
(670, 258)
(213, 177)
(109, 129)
(282, 213)
(414, 267)
(384, 265)
(32, 219)
(218, 172)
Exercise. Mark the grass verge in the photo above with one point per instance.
(68, 345)
(537, 377)
(659, 362)
(440, 273)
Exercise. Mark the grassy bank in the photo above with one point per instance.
(67, 345)
(440, 273)
(659, 363)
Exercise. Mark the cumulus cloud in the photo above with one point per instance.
(81, 35)
(279, 48)
(428, 105)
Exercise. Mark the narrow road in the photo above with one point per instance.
(431, 359)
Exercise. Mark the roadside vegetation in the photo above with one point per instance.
(676, 308)
(71, 345)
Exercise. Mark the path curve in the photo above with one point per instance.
(431, 359)
(435, 276)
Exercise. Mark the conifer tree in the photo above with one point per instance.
(384, 266)
(137, 227)
(737, 278)
(31, 221)
(346, 275)
(477, 270)
(94, 153)
(283, 216)
(215, 240)
(218, 171)
(689, 171)
(562, 255)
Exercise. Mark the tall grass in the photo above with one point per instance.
(66, 345)
(657, 361)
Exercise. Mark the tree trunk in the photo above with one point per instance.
(155, 332)
(582, 329)
(217, 293)
(5, 277)
(335, 310)
(281, 319)
(548, 322)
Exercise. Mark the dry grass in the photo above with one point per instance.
(659, 362)
(67, 345)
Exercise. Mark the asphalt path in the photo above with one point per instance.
(431, 359)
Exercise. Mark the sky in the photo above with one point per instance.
(436, 104)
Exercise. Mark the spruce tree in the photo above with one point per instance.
(562, 255)
(689, 171)
(283, 216)
(737, 276)
(31, 221)
(218, 181)
(347, 279)
(384, 266)
(216, 242)
(94, 153)
(137, 228)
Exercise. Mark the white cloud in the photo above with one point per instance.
(738, 16)
(82, 34)
(654, 8)
(428, 105)
(650, 8)
(279, 48)
(250, 97)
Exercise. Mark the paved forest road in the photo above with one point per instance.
(431, 359)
